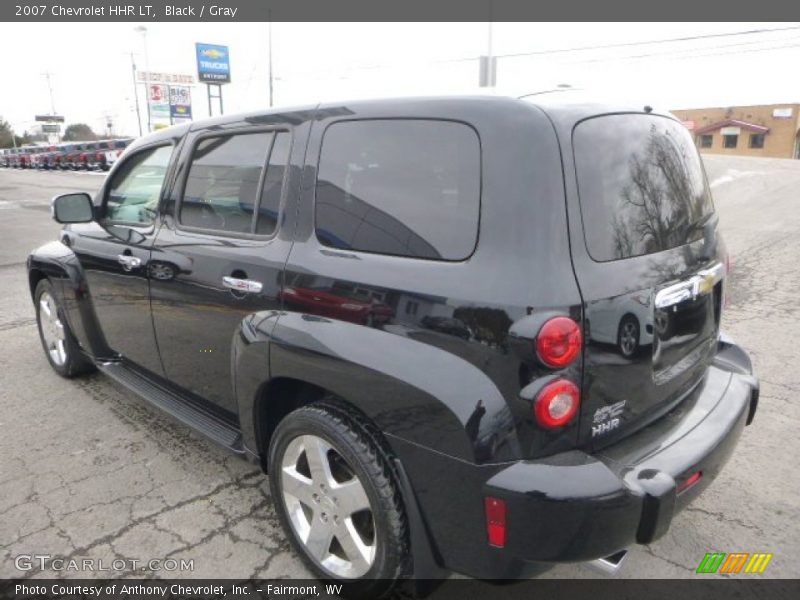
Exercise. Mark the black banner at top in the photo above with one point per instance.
(394, 10)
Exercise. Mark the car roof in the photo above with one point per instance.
(565, 107)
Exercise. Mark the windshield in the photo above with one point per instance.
(641, 184)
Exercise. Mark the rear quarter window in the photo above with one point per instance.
(641, 184)
(405, 187)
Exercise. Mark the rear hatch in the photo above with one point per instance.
(650, 270)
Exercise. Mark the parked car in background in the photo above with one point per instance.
(87, 154)
(54, 157)
(448, 325)
(12, 158)
(70, 157)
(268, 254)
(39, 157)
(107, 153)
(24, 158)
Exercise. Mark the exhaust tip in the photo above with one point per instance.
(610, 565)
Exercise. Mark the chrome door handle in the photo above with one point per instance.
(129, 262)
(247, 286)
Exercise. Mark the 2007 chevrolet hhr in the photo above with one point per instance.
(460, 334)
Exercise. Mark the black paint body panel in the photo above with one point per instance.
(450, 383)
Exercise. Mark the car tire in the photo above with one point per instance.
(366, 549)
(628, 336)
(60, 347)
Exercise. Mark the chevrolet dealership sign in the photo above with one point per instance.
(213, 63)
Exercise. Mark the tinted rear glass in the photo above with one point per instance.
(641, 184)
(404, 187)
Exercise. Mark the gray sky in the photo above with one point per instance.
(91, 66)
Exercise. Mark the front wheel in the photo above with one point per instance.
(60, 347)
(337, 499)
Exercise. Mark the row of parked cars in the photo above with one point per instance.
(77, 156)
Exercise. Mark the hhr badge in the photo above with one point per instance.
(607, 418)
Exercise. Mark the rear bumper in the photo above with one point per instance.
(577, 506)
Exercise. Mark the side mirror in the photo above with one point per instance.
(72, 208)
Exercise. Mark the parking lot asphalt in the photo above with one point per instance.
(90, 471)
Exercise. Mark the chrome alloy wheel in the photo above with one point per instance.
(328, 507)
(628, 339)
(52, 329)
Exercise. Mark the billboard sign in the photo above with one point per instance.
(50, 118)
(158, 98)
(180, 102)
(155, 77)
(213, 63)
(51, 128)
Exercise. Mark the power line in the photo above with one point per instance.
(642, 43)
(693, 51)
(367, 67)
(751, 51)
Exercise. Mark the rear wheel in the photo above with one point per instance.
(60, 346)
(337, 499)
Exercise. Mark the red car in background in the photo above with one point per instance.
(88, 153)
(331, 303)
(107, 153)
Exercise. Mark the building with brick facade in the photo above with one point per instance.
(769, 130)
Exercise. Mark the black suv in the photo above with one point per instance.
(547, 381)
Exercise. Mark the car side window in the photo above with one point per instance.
(135, 188)
(405, 187)
(235, 183)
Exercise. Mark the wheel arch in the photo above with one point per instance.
(279, 397)
(57, 262)
(35, 275)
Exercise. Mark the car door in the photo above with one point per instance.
(218, 257)
(114, 253)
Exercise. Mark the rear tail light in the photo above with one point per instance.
(495, 521)
(98, 156)
(559, 342)
(557, 403)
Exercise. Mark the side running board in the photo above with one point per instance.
(185, 411)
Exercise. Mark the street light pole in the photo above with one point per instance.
(143, 30)
(136, 96)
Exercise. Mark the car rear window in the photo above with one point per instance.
(405, 187)
(641, 184)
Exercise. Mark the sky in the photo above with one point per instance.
(91, 75)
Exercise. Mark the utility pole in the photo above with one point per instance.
(143, 30)
(136, 96)
(269, 25)
(487, 67)
(46, 75)
(490, 62)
